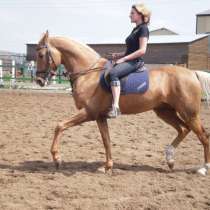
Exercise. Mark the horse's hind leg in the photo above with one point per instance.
(169, 115)
(196, 125)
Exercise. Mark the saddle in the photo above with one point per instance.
(135, 82)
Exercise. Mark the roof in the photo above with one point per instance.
(175, 39)
(162, 28)
(7, 53)
(206, 12)
(158, 39)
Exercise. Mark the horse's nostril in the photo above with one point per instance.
(40, 82)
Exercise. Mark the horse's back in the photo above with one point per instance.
(180, 87)
(173, 85)
(173, 78)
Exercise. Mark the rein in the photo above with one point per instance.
(72, 76)
(76, 75)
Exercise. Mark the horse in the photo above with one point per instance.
(174, 94)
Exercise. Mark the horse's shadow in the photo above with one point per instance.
(70, 168)
(75, 167)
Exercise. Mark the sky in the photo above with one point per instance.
(88, 21)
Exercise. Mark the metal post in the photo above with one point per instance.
(1, 75)
(13, 80)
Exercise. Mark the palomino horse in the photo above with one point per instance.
(174, 94)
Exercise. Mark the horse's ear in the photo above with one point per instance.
(46, 36)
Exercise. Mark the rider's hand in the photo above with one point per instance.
(115, 56)
(121, 60)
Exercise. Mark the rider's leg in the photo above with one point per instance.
(116, 93)
(115, 110)
(118, 71)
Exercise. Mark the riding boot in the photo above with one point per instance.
(113, 112)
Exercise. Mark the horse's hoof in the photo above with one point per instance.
(170, 164)
(202, 171)
(104, 170)
(57, 164)
(169, 152)
(101, 170)
(109, 171)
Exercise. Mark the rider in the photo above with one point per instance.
(129, 61)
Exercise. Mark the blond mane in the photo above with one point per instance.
(69, 43)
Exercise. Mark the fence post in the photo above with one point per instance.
(13, 81)
(59, 74)
(1, 75)
(24, 72)
(54, 79)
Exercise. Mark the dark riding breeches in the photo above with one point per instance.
(123, 69)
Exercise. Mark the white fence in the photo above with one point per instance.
(13, 78)
(12, 73)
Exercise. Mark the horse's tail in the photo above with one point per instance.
(204, 79)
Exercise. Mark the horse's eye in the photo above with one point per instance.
(41, 55)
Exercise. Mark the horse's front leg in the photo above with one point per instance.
(103, 128)
(79, 118)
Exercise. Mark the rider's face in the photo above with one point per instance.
(135, 16)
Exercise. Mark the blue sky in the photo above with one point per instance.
(89, 21)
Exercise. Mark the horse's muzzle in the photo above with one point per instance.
(40, 81)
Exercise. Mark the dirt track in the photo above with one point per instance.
(140, 180)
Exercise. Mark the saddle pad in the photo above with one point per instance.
(136, 82)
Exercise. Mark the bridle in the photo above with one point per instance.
(47, 73)
(73, 76)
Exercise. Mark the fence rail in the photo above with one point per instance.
(11, 74)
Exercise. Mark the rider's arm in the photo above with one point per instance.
(117, 55)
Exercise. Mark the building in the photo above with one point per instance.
(203, 27)
(203, 22)
(7, 58)
(31, 52)
(189, 51)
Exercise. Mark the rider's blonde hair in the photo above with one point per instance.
(144, 11)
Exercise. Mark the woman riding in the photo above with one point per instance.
(129, 61)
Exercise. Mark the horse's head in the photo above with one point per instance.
(48, 59)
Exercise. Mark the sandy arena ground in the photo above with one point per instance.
(140, 180)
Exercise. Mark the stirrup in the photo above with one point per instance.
(114, 112)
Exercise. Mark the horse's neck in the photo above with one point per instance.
(75, 56)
